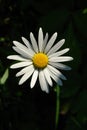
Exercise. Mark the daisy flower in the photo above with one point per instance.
(41, 60)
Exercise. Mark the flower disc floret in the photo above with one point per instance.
(40, 60)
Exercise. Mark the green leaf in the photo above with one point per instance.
(4, 77)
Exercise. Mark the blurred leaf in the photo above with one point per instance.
(74, 45)
(80, 19)
(80, 104)
(19, 93)
(4, 77)
(55, 21)
(24, 5)
(72, 124)
(84, 77)
(65, 107)
(2, 39)
(79, 108)
(57, 105)
(85, 11)
(1, 67)
(71, 86)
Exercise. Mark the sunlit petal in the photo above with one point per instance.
(50, 42)
(40, 40)
(43, 83)
(34, 78)
(26, 76)
(34, 42)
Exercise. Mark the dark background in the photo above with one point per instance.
(22, 108)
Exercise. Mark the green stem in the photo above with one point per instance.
(57, 106)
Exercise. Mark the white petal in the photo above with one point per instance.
(23, 53)
(34, 78)
(59, 82)
(60, 66)
(25, 70)
(40, 39)
(50, 42)
(47, 76)
(26, 76)
(20, 64)
(59, 53)
(17, 57)
(26, 42)
(60, 59)
(56, 72)
(34, 42)
(56, 47)
(46, 38)
(45, 41)
(63, 52)
(19, 45)
(43, 83)
(56, 78)
(23, 48)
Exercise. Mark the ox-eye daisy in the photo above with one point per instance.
(40, 60)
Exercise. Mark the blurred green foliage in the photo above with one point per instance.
(22, 108)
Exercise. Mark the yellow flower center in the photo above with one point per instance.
(40, 60)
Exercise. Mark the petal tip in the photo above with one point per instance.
(40, 28)
(19, 83)
(8, 57)
(22, 37)
(72, 58)
(63, 40)
(47, 91)
(56, 33)
(31, 33)
(11, 67)
(31, 86)
(17, 75)
(14, 42)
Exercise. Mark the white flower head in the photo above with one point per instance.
(40, 60)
